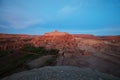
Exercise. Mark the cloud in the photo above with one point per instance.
(17, 18)
(100, 30)
(66, 10)
(21, 22)
(108, 31)
(4, 26)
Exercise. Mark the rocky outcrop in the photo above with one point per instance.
(100, 53)
(56, 33)
(12, 41)
(61, 73)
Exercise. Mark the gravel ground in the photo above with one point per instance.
(61, 73)
(36, 63)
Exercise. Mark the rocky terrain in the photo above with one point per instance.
(100, 53)
(61, 73)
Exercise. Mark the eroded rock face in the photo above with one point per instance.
(14, 41)
(55, 33)
(100, 53)
(61, 73)
(65, 42)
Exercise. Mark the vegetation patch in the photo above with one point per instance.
(4, 53)
(10, 64)
(40, 50)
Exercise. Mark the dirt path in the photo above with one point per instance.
(39, 61)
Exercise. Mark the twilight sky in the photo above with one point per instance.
(98, 17)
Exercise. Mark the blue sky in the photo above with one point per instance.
(98, 17)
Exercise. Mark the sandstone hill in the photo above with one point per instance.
(101, 53)
(55, 33)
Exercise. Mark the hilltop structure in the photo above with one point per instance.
(55, 33)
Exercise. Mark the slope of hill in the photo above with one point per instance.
(101, 53)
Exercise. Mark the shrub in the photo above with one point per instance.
(53, 51)
(41, 50)
(5, 52)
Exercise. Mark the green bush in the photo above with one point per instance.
(53, 51)
(5, 53)
(41, 50)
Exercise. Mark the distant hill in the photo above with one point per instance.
(55, 33)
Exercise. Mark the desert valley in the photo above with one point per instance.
(20, 52)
